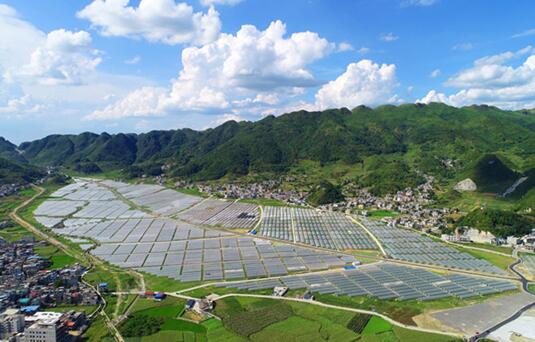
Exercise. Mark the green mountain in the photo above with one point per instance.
(325, 193)
(491, 174)
(372, 143)
(9, 151)
(501, 223)
(14, 172)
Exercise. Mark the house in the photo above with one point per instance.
(200, 306)
(159, 296)
(308, 296)
(279, 291)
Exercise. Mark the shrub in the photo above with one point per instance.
(141, 325)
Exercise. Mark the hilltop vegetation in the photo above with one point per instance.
(382, 147)
(500, 223)
(9, 151)
(325, 193)
(491, 174)
(14, 172)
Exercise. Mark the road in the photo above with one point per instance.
(525, 284)
(377, 242)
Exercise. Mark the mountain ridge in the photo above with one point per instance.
(422, 137)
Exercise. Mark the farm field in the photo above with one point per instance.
(172, 255)
(253, 319)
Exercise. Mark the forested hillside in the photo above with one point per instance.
(17, 173)
(436, 139)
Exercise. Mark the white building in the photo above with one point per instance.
(46, 327)
(11, 323)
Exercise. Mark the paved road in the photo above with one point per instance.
(518, 313)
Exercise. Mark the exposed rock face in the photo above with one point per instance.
(466, 185)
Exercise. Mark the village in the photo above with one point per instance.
(28, 287)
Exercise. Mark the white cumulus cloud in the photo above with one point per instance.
(21, 105)
(252, 67)
(364, 82)
(63, 57)
(154, 20)
(141, 102)
(492, 81)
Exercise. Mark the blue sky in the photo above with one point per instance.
(131, 66)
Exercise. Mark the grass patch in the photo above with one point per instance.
(468, 201)
(171, 328)
(158, 283)
(265, 202)
(14, 233)
(251, 318)
(205, 291)
(531, 288)
(57, 256)
(366, 256)
(501, 249)
(98, 331)
(500, 261)
(140, 326)
(376, 325)
(418, 336)
(216, 332)
(194, 192)
(379, 214)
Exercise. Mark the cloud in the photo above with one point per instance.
(364, 82)
(435, 73)
(526, 33)
(424, 3)
(342, 47)
(364, 50)
(491, 81)
(463, 47)
(21, 105)
(491, 72)
(234, 72)
(226, 117)
(133, 60)
(54, 75)
(141, 102)
(63, 57)
(29, 55)
(389, 37)
(209, 3)
(154, 20)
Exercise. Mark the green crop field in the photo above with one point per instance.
(57, 256)
(260, 319)
(500, 261)
(501, 249)
(379, 214)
